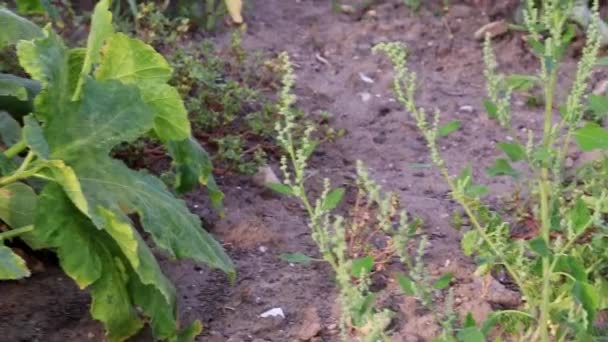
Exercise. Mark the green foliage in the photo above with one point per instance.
(556, 264)
(90, 100)
(344, 242)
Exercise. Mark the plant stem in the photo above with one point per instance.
(15, 232)
(544, 184)
(14, 150)
(21, 172)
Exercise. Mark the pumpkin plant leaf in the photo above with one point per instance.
(12, 266)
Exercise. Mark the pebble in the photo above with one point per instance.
(265, 175)
(366, 78)
(466, 109)
(365, 97)
(274, 312)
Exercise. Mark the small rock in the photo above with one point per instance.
(466, 109)
(494, 29)
(371, 14)
(569, 162)
(332, 329)
(347, 9)
(274, 312)
(90, 335)
(311, 325)
(365, 97)
(264, 176)
(365, 78)
(263, 249)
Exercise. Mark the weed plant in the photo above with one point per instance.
(558, 267)
(374, 233)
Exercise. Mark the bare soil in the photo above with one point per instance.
(332, 55)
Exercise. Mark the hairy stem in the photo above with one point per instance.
(544, 185)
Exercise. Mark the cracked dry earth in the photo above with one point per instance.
(336, 72)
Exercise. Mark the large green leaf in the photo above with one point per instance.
(111, 301)
(15, 28)
(116, 264)
(12, 266)
(132, 61)
(109, 113)
(46, 60)
(17, 205)
(109, 184)
(59, 225)
(139, 256)
(193, 166)
(101, 29)
(171, 121)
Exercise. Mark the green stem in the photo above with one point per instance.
(544, 185)
(14, 150)
(15, 232)
(21, 172)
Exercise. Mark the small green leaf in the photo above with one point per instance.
(521, 82)
(571, 266)
(514, 151)
(598, 104)
(468, 243)
(592, 137)
(470, 334)
(407, 285)
(448, 128)
(603, 61)
(469, 321)
(579, 216)
(280, 188)
(361, 266)
(101, 29)
(9, 87)
(189, 333)
(193, 167)
(502, 167)
(10, 131)
(491, 108)
(34, 137)
(12, 266)
(443, 282)
(539, 246)
(296, 258)
(588, 297)
(26, 7)
(476, 190)
(333, 199)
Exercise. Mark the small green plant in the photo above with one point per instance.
(60, 188)
(374, 232)
(414, 5)
(557, 265)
